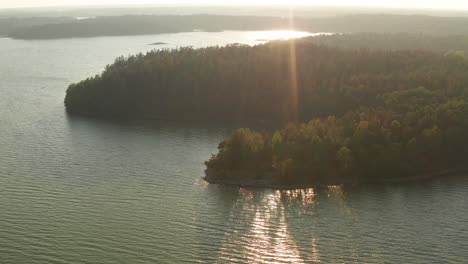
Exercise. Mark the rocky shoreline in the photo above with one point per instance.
(249, 179)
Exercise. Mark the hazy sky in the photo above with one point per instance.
(438, 4)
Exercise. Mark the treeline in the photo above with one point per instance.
(147, 24)
(448, 44)
(157, 24)
(272, 82)
(10, 25)
(414, 134)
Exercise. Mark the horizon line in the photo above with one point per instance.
(138, 6)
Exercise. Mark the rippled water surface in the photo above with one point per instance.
(76, 190)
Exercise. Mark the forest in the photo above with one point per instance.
(9, 25)
(447, 44)
(158, 24)
(129, 25)
(415, 134)
(279, 81)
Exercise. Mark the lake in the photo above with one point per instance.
(77, 190)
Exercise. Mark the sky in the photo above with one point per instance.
(424, 4)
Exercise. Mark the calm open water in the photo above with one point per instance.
(76, 190)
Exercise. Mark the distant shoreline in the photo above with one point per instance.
(134, 25)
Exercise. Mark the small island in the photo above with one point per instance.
(158, 43)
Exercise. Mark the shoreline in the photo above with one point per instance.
(265, 182)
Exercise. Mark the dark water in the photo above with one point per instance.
(76, 190)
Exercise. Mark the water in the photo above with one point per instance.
(76, 190)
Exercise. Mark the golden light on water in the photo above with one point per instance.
(262, 232)
(305, 197)
(266, 230)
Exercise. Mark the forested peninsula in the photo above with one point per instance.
(264, 82)
(377, 115)
(157, 24)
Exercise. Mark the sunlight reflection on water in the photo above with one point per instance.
(264, 233)
(263, 36)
